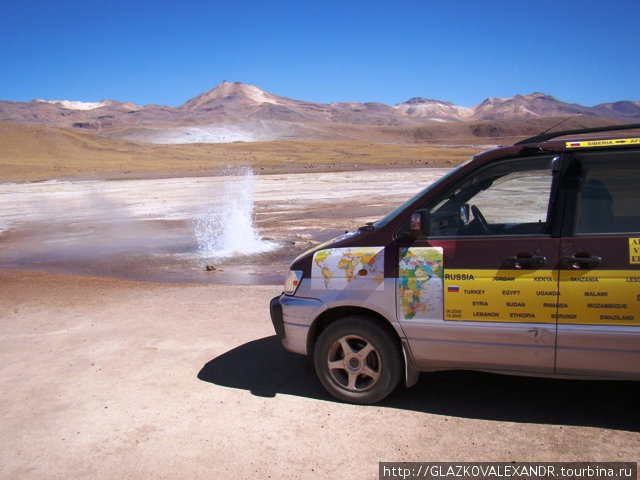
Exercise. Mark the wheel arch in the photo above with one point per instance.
(327, 317)
(411, 372)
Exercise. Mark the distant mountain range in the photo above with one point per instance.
(241, 112)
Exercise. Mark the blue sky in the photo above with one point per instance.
(167, 52)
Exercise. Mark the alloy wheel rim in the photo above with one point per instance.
(354, 363)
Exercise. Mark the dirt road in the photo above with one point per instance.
(116, 379)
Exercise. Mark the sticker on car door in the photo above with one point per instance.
(357, 268)
(502, 295)
(634, 251)
(420, 273)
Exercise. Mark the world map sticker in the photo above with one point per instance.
(358, 268)
(420, 273)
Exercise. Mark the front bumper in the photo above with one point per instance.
(292, 318)
(275, 309)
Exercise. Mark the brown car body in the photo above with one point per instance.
(524, 260)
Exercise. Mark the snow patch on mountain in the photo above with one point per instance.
(88, 106)
(433, 109)
(75, 105)
(259, 96)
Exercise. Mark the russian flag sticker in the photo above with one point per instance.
(453, 288)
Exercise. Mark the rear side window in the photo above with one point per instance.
(609, 197)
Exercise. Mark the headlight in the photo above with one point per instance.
(292, 282)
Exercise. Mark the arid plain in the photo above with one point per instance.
(122, 357)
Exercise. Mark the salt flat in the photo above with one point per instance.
(168, 229)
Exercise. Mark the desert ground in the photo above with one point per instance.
(123, 357)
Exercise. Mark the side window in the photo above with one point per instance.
(507, 198)
(609, 197)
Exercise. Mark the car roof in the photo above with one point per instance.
(585, 138)
(546, 136)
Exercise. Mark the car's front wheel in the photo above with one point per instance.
(357, 360)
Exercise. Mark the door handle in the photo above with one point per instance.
(578, 262)
(529, 261)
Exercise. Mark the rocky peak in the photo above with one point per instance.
(235, 94)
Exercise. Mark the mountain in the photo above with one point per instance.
(241, 112)
(534, 105)
(66, 113)
(233, 95)
(85, 106)
(622, 110)
(434, 110)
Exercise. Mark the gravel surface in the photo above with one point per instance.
(113, 378)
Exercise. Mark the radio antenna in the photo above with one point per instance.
(559, 123)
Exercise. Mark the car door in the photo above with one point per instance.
(480, 290)
(599, 318)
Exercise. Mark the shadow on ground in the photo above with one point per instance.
(266, 369)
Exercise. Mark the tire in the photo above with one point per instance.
(357, 360)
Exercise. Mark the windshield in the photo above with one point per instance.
(389, 217)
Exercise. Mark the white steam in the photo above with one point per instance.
(225, 228)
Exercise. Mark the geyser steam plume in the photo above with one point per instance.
(225, 226)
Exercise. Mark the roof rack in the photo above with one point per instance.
(544, 136)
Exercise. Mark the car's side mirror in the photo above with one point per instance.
(419, 223)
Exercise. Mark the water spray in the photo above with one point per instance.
(225, 228)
